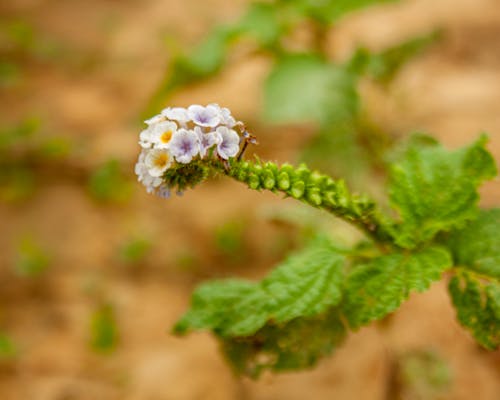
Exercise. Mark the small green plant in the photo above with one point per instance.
(134, 251)
(103, 329)
(422, 375)
(108, 183)
(25, 155)
(229, 239)
(32, 260)
(8, 349)
(305, 307)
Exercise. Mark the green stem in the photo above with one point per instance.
(313, 188)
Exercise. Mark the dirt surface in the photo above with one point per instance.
(453, 92)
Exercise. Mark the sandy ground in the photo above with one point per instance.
(453, 92)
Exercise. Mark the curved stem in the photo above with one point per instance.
(313, 188)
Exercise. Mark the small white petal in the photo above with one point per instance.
(154, 120)
(230, 143)
(204, 116)
(178, 114)
(146, 137)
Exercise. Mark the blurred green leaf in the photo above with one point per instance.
(17, 183)
(55, 147)
(423, 374)
(32, 260)
(8, 349)
(306, 88)
(328, 11)
(103, 329)
(134, 250)
(108, 183)
(335, 150)
(229, 239)
(203, 61)
(23, 130)
(384, 65)
(264, 22)
(9, 74)
(17, 34)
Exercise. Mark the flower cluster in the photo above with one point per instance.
(181, 136)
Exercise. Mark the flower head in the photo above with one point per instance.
(179, 143)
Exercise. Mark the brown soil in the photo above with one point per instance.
(453, 92)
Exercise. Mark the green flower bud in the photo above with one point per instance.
(298, 189)
(268, 180)
(314, 196)
(253, 181)
(283, 181)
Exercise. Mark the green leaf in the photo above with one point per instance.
(436, 190)
(328, 11)
(103, 329)
(384, 65)
(298, 344)
(203, 61)
(478, 307)
(109, 184)
(263, 22)
(477, 246)
(306, 88)
(32, 259)
(8, 348)
(305, 285)
(228, 307)
(377, 288)
(207, 57)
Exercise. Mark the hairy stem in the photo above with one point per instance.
(317, 190)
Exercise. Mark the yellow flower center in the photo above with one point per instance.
(166, 136)
(161, 161)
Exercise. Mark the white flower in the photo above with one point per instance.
(162, 134)
(178, 114)
(143, 175)
(184, 145)
(229, 146)
(154, 120)
(146, 137)
(208, 116)
(157, 161)
(207, 140)
(225, 115)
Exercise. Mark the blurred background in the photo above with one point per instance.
(94, 272)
